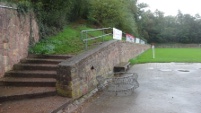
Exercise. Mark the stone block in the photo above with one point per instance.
(5, 46)
(8, 68)
(63, 90)
(1, 72)
(1, 46)
(84, 89)
(5, 60)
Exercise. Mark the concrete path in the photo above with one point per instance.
(164, 88)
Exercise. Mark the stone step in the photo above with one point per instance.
(36, 105)
(29, 82)
(19, 93)
(34, 77)
(41, 61)
(50, 56)
(31, 74)
(49, 67)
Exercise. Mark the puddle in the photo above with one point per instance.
(153, 68)
(183, 70)
(165, 70)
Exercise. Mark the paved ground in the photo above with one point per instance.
(39, 105)
(164, 88)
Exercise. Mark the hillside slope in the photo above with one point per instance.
(68, 41)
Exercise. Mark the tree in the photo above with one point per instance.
(113, 13)
(183, 28)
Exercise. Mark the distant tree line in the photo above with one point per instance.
(182, 28)
(127, 15)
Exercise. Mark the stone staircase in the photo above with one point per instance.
(34, 77)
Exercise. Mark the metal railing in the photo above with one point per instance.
(85, 35)
(7, 7)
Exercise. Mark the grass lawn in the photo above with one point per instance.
(169, 55)
(67, 41)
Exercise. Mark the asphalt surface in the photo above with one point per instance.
(164, 88)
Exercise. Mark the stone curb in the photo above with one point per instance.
(77, 105)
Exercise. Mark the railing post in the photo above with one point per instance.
(103, 34)
(81, 35)
(86, 44)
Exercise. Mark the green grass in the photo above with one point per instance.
(169, 55)
(66, 42)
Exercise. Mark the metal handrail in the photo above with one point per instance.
(85, 38)
(2, 6)
(97, 37)
(96, 29)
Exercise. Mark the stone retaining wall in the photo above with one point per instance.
(77, 76)
(16, 32)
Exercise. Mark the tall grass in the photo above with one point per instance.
(169, 55)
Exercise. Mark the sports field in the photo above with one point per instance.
(189, 55)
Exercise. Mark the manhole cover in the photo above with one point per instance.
(165, 70)
(183, 70)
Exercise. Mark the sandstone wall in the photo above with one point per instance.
(77, 76)
(15, 36)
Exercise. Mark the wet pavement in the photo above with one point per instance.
(164, 88)
(38, 105)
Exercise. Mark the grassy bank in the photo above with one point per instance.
(169, 55)
(67, 42)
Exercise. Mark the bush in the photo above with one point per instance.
(52, 15)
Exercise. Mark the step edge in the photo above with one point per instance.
(27, 96)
